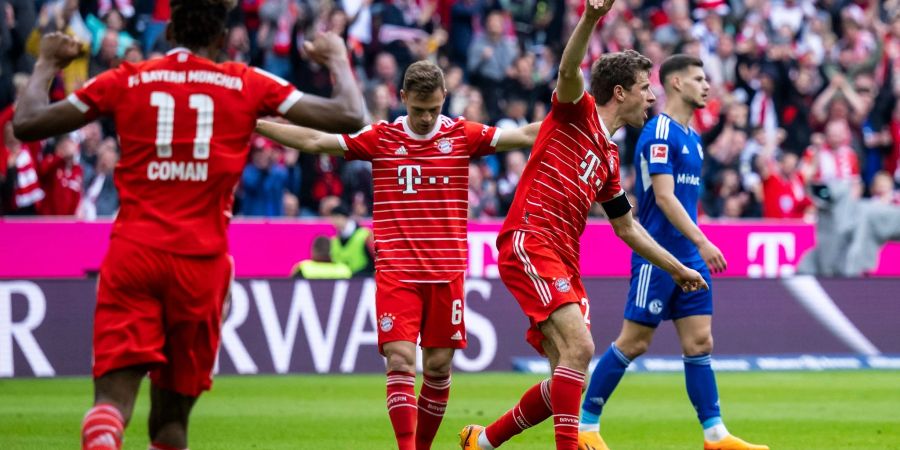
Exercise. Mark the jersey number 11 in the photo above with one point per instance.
(165, 123)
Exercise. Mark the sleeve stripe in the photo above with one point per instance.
(340, 138)
(77, 103)
(496, 138)
(288, 102)
(272, 76)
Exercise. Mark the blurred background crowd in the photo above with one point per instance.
(803, 92)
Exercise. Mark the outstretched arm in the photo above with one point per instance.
(570, 85)
(36, 118)
(633, 234)
(664, 190)
(518, 137)
(344, 112)
(303, 139)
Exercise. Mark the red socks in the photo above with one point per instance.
(102, 428)
(565, 396)
(532, 409)
(432, 403)
(401, 405)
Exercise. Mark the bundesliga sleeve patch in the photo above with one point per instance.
(659, 153)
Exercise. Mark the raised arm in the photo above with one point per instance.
(570, 85)
(344, 111)
(303, 139)
(36, 118)
(633, 234)
(664, 190)
(521, 137)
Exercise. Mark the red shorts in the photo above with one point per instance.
(406, 310)
(539, 280)
(162, 310)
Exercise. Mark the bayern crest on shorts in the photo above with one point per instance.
(444, 146)
(562, 285)
(386, 322)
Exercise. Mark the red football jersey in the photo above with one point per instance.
(421, 201)
(573, 164)
(184, 124)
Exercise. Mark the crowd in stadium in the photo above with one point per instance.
(801, 91)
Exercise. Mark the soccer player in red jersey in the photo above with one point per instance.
(420, 167)
(184, 124)
(573, 164)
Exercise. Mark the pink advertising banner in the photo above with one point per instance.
(269, 248)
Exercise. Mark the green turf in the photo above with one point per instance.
(826, 410)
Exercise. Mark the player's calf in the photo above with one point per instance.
(169, 413)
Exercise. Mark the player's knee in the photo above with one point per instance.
(400, 361)
(581, 350)
(698, 345)
(437, 367)
(632, 348)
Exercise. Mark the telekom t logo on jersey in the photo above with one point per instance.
(411, 176)
(771, 245)
(589, 165)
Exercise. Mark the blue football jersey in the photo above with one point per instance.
(667, 147)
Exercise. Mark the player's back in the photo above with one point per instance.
(573, 164)
(184, 124)
(421, 193)
(667, 147)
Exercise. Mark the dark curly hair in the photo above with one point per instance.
(616, 69)
(197, 23)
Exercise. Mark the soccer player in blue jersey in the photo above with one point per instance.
(668, 159)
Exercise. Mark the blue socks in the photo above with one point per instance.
(604, 380)
(699, 377)
(701, 388)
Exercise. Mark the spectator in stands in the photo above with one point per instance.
(381, 104)
(16, 24)
(358, 193)
(277, 19)
(726, 187)
(319, 266)
(63, 16)
(263, 182)
(101, 199)
(353, 245)
(237, 45)
(835, 159)
(796, 65)
(506, 186)
(321, 178)
(386, 73)
(784, 190)
(294, 180)
(114, 23)
(884, 190)
(483, 200)
(490, 57)
(61, 179)
(107, 56)
(291, 205)
(463, 15)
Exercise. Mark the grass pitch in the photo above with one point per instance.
(797, 410)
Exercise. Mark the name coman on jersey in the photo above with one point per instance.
(421, 201)
(184, 125)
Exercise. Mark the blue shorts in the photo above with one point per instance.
(654, 297)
